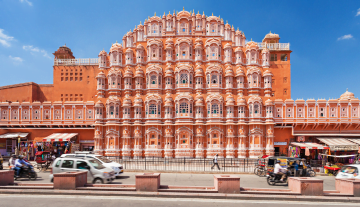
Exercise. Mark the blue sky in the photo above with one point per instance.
(324, 35)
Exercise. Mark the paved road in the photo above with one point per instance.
(110, 201)
(185, 179)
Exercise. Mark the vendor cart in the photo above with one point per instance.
(43, 160)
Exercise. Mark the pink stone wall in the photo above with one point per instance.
(6, 177)
(147, 182)
(70, 180)
(348, 186)
(306, 186)
(227, 184)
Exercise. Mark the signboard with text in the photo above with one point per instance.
(280, 143)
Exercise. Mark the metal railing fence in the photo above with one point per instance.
(241, 165)
(246, 165)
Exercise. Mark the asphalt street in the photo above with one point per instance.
(186, 179)
(111, 201)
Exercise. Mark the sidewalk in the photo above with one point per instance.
(182, 195)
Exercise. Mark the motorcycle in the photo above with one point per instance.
(273, 178)
(310, 172)
(26, 172)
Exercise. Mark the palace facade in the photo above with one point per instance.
(179, 85)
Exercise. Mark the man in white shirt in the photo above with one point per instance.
(215, 162)
(278, 170)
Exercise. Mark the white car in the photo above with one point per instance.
(349, 171)
(118, 169)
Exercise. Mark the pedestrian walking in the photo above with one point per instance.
(215, 162)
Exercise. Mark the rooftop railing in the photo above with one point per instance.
(274, 46)
(79, 61)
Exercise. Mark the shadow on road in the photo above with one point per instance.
(122, 177)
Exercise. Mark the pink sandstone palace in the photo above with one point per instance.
(179, 85)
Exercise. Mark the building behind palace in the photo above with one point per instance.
(179, 85)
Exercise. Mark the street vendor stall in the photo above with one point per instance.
(58, 143)
(332, 168)
(307, 150)
(341, 150)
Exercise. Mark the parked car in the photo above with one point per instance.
(96, 172)
(118, 169)
(349, 171)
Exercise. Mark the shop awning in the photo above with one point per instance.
(309, 145)
(60, 137)
(339, 144)
(356, 141)
(13, 135)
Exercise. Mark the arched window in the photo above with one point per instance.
(214, 79)
(256, 109)
(153, 79)
(152, 109)
(154, 28)
(111, 111)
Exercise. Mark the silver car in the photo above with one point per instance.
(96, 172)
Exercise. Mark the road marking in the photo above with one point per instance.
(199, 200)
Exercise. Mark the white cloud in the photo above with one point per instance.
(358, 12)
(36, 49)
(345, 37)
(16, 59)
(27, 2)
(5, 39)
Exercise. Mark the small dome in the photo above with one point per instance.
(238, 49)
(129, 33)
(101, 75)
(227, 26)
(103, 52)
(128, 73)
(169, 72)
(140, 47)
(140, 26)
(127, 101)
(252, 45)
(139, 72)
(199, 72)
(116, 46)
(267, 73)
(271, 35)
(199, 100)
(241, 101)
(128, 50)
(269, 102)
(138, 100)
(198, 40)
(99, 104)
(347, 95)
(228, 45)
(229, 72)
(169, 41)
(265, 50)
(198, 46)
(240, 72)
(230, 101)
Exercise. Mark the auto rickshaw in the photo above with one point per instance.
(304, 170)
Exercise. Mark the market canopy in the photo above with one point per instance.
(357, 141)
(14, 135)
(339, 144)
(309, 145)
(60, 137)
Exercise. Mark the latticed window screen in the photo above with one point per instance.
(184, 108)
(184, 78)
